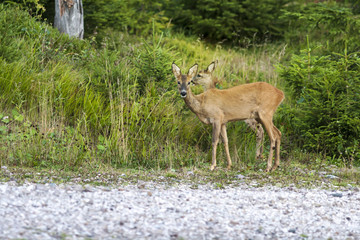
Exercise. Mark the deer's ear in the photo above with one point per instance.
(211, 67)
(192, 71)
(176, 70)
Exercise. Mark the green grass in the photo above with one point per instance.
(115, 105)
(70, 108)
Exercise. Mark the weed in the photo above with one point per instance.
(170, 175)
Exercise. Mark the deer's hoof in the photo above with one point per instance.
(274, 168)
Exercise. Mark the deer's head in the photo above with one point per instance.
(204, 77)
(183, 80)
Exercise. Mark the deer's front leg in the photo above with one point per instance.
(215, 141)
(226, 144)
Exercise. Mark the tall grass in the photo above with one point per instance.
(67, 103)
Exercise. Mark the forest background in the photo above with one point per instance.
(110, 101)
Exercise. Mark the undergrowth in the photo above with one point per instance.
(69, 104)
(66, 103)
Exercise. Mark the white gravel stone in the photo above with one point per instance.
(156, 211)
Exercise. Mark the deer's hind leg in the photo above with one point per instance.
(226, 145)
(277, 146)
(266, 120)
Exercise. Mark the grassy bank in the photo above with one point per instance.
(82, 107)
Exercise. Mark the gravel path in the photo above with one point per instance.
(156, 211)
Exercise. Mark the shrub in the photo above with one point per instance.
(330, 23)
(231, 21)
(325, 113)
(134, 17)
(152, 61)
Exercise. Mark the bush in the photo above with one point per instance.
(231, 21)
(152, 60)
(133, 17)
(330, 23)
(325, 115)
(35, 7)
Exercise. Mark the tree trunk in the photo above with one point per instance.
(69, 17)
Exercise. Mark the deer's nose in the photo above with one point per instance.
(183, 93)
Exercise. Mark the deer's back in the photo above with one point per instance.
(244, 101)
(262, 91)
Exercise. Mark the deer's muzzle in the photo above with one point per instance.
(183, 93)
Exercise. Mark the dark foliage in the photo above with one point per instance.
(232, 21)
(325, 91)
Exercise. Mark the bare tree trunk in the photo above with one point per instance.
(69, 17)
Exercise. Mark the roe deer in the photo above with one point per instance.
(207, 81)
(217, 107)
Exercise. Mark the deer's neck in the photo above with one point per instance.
(193, 102)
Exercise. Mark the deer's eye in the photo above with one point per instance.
(198, 75)
(189, 83)
(179, 83)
